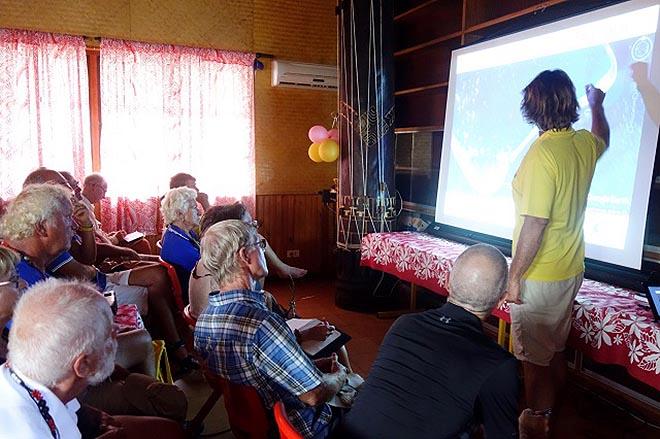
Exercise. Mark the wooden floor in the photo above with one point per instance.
(584, 414)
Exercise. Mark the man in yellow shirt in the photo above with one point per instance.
(550, 192)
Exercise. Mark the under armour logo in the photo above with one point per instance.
(444, 319)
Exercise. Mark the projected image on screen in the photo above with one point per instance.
(486, 136)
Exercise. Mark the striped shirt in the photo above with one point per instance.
(245, 343)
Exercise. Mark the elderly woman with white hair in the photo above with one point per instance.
(180, 244)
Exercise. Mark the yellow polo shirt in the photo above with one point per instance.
(553, 182)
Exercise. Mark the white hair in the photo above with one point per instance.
(54, 322)
(36, 203)
(478, 278)
(8, 261)
(177, 203)
(219, 249)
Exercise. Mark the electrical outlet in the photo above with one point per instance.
(293, 253)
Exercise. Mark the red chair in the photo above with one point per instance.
(176, 285)
(287, 430)
(247, 417)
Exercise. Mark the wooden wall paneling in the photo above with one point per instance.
(298, 222)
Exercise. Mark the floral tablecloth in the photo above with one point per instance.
(609, 325)
(128, 318)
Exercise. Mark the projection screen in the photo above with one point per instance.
(485, 136)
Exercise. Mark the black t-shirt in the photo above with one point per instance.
(436, 374)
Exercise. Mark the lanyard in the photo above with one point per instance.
(188, 238)
(39, 400)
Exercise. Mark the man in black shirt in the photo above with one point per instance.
(437, 375)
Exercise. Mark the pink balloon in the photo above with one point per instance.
(317, 133)
(333, 134)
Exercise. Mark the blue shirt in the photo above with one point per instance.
(245, 343)
(180, 248)
(29, 273)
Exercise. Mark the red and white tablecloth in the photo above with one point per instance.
(609, 325)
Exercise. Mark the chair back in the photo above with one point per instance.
(187, 316)
(287, 430)
(247, 417)
(176, 285)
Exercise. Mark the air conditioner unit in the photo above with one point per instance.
(303, 75)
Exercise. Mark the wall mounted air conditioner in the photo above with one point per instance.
(303, 75)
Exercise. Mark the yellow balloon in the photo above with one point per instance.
(329, 150)
(313, 152)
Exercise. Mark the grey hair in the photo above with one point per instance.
(8, 261)
(36, 203)
(478, 278)
(220, 245)
(54, 322)
(177, 202)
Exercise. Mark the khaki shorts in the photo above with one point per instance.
(540, 326)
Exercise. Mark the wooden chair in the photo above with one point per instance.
(286, 429)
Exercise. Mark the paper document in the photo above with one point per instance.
(312, 347)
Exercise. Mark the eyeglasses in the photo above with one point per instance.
(13, 281)
(260, 243)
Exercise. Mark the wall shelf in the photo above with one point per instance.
(414, 10)
(529, 10)
(419, 89)
(419, 129)
(434, 41)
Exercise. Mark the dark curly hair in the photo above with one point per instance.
(216, 214)
(549, 101)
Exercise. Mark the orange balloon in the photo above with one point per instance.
(329, 150)
(313, 152)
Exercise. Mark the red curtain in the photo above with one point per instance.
(168, 109)
(44, 106)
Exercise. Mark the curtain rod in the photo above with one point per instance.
(94, 43)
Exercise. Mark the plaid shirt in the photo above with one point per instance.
(244, 342)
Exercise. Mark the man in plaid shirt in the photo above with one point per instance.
(244, 342)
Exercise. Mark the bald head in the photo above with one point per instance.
(94, 187)
(45, 175)
(478, 279)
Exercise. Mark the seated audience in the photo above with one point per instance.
(38, 225)
(9, 292)
(62, 341)
(180, 244)
(186, 180)
(245, 343)
(437, 375)
(110, 245)
(201, 282)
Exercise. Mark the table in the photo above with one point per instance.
(609, 325)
